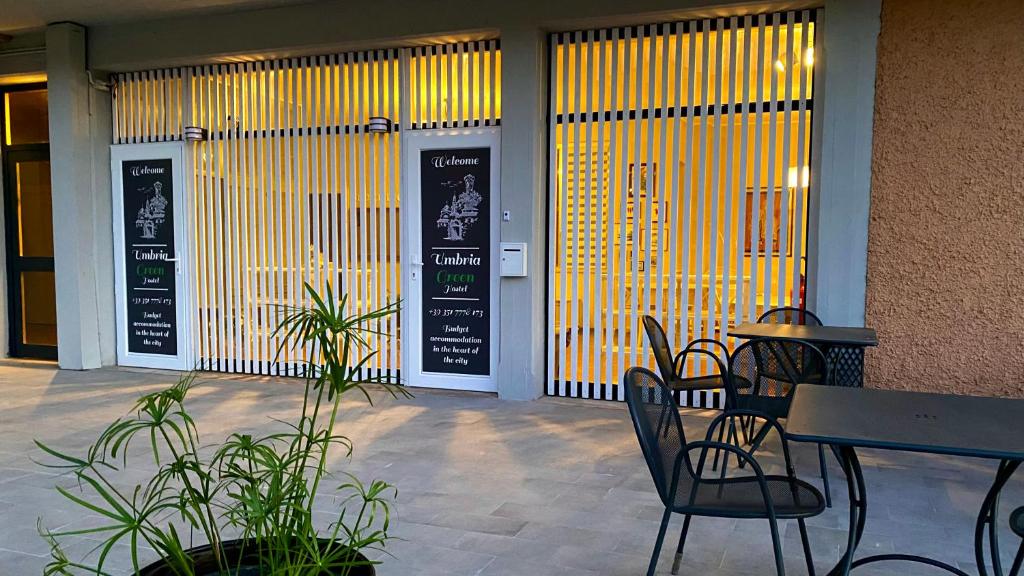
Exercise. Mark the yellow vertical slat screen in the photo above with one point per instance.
(455, 85)
(290, 186)
(679, 185)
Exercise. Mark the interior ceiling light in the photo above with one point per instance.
(808, 60)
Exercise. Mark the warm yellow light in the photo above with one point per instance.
(780, 65)
(7, 119)
(809, 57)
(12, 79)
(805, 177)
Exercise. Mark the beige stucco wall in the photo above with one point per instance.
(945, 284)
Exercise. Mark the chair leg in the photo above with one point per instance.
(756, 439)
(780, 566)
(824, 475)
(748, 431)
(807, 546)
(679, 548)
(1015, 569)
(661, 539)
(721, 434)
(733, 439)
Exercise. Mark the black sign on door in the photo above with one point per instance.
(455, 187)
(149, 244)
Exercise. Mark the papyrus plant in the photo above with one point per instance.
(260, 489)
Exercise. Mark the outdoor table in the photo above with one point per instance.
(843, 346)
(850, 418)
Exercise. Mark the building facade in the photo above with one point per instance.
(527, 179)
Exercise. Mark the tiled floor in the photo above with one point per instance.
(551, 487)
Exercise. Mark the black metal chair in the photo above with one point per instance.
(674, 371)
(1017, 525)
(673, 368)
(774, 368)
(677, 468)
(789, 315)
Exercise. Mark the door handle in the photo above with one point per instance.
(177, 266)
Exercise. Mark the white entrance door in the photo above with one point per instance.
(150, 248)
(451, 271)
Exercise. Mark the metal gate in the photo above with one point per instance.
(678, 187)
(291, 186)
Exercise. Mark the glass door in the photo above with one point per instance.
(30, 255)
(28, 203)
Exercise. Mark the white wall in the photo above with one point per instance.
(841, 154)
(80, 184)
(328, 26)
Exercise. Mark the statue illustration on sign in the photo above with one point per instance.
(152, 213)
(462, 211)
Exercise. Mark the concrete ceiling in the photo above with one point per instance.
(25, 15)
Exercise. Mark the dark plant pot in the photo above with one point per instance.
(206, 563)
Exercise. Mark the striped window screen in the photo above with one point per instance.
(455, 85)
(290, 187)
(679, 157)
(150, 106)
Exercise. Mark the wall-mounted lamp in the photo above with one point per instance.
(196, 134)
(378, 125)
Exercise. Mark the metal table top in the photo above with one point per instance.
(835, 335)
(909, 421)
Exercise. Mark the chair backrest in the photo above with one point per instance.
(765, 372)
(789, 315)
(715, 348)
(709, 350)
(659, 345)
(658, 428)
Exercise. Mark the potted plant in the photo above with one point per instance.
(250, 497)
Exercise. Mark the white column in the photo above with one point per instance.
(843, 115)
(523, 169)
(81, 205)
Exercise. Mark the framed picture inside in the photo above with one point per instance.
(763, 220)
(636, 211)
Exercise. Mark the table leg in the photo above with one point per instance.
(858, 517)
(858, 508)
(987, 519)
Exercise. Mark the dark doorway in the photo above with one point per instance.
(28, 211)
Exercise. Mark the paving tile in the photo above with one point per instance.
(21, 563)
(438, 558)
(478, 523)
(522, 567)
(587, 558)
(497, 545)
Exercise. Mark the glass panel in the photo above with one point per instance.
(26, 117)
(35, 208)
(38, 308)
